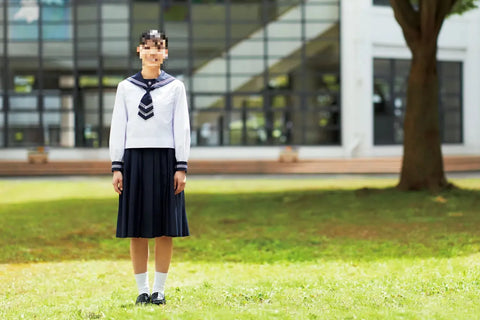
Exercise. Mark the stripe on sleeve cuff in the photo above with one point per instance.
(181, 166)
(117, 166)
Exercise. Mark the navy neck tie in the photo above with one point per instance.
(145, 108)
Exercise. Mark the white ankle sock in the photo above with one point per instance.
(159, 282)
(142, 283)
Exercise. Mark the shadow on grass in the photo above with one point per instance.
(364, 224)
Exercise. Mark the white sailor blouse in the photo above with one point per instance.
(150, 113)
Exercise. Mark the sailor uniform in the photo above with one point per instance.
(146, 104)
(149, 141)
(169, 127)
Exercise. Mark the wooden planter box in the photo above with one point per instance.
(38, 156)
(288, 155)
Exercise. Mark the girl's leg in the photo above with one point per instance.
(163, 253)
(163, 256)
(139, 254)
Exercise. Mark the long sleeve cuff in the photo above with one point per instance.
(117, 166)
(181, 166)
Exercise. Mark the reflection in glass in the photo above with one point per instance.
(23, 102)
(207, 128)
(86, 12)
(390, 94)
(108, 103)
(2, 129)
(24, 15)
(24, 129)
(59, 49)
(263, 128)
(23, 84)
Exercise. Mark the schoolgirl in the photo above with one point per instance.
(149, 149)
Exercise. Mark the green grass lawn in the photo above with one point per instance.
(260, 249)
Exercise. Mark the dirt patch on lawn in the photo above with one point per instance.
(378, 232)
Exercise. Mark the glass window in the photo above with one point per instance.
(2, 128)
(86, 12)
(24, 129)
(56, 20)
(23, 49)
(247, 101)
(205, 12)
(390, 94)
(145, 10)
(210, 82)
(208, 101)
(176, 11)
(51, 128)
(54, 49)
(267, 75)
(321, 11)
(381, 2)
(23, 83)
(265, 127)
(58, 119)
(23, 102)
(383, 111)
(24, 20)
(2, 77)
(88, 32)
(115, 29)
(90, 124)
(116, 63)
(108, 103)
(450, 82)
(89, 64)
(115, 48)
(322, 126)
(207, 128)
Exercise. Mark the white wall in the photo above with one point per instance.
(370, 32)
(356, 76)
(471, 83)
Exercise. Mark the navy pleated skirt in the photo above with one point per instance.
(148, 206)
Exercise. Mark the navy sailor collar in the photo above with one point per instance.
(162, 80)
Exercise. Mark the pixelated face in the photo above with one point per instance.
(152, 52)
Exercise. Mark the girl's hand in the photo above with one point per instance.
(179, 181)
(117, 182)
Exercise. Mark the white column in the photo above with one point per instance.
(471, 85)
(67, 124)
(357, 77)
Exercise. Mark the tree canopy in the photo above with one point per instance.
(462, 6)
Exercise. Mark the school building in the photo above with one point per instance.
(327, 77)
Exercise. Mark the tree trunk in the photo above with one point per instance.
(422, 166)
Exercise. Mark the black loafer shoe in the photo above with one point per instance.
(158, 299)
(142, 299)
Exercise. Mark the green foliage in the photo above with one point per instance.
(462, 6)
(459, 7)
(260, 249)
